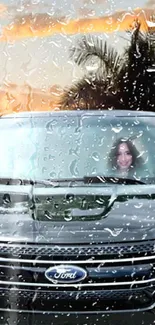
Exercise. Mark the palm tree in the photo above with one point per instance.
(90, 94)
(97, 89)
(127, 79)
(136, 80)
(108, 59)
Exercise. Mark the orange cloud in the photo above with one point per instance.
(14, 98)
(43, 25)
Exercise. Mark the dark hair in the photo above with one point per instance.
(137, 161)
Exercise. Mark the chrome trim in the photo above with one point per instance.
(70, 312)
(75, 285)
(89, 261)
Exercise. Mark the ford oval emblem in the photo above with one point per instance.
(65, 274)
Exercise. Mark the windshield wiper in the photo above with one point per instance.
(27, 181)
(111, 179)
(96, 180)
(60, 181)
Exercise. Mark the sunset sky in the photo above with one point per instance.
(35, 36)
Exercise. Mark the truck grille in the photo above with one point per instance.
(114, 281)
(80, 251)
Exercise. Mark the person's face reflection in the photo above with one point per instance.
(124, 157)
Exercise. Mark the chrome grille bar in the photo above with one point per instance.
(75, 285)
(89, 261)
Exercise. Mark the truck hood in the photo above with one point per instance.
(64, 215)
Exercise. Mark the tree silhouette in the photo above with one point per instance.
(136, 79)
(91, 95)
(97, 89)
(116, 82)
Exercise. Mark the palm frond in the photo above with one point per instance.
(88, 94)
(89, 47)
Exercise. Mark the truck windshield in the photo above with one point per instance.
(59, 147)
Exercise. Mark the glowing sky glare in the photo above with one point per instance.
(44, 61)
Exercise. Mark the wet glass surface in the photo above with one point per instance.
(77, 190)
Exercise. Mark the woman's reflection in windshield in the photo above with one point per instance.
(124, 159)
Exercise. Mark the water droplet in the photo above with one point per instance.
(100, 201)
(117, 129)
(48, 215)
(69, 198)
(138, 206)
(92, 67)
(73, 168)
(19, 223)
(104, 129)
(95, 156)
(134, 218)
(114, 232)
(51, 157)
(52, 175)
(68, 218)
